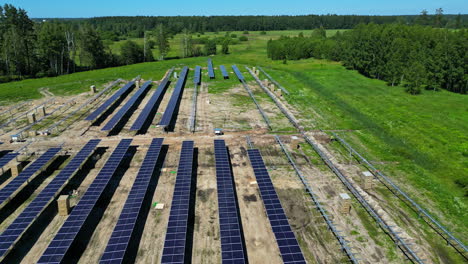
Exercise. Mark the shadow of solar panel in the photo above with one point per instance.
(13, 186)
(224, 72)
(98, 112)
(62, 241)
(140, 121)
(130, 103)
(169, 113)
(288, 245)
(15, 230)
(7, 158)
(117, 245)
(211, 72)
(197, 75)
(176, 234)
(238, 73)
(232, 250)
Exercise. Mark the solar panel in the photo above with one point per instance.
(224, 72)
(211, 72)
(157, 96)
(168, 114)
(176, 234)
(119, 115)
(7, 158)
(232, 250)
(13, 186)
(98, 112)
(288, 245)
(117, 245)
(197, 76)
(14, 231)
(238, 73)
(62, 241)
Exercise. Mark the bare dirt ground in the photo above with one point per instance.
(233, 110)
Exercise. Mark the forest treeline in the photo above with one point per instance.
(32, 48)
(417, 57)
(136, 26)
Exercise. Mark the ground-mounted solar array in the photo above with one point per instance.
(197, 75)
(13, 186)
(211, 72)
(103, 107)
(118, 243)
(123, 111)
(232, 249)
(177, 93)
(152, 103)
(238, 73)
(62, 241)
(287, 242)
(176, 233)
(16, 229)
(7, 158)
(224, 72)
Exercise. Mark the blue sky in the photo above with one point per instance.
(91, 8)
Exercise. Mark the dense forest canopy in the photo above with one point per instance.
(423, 53)
(418, 57)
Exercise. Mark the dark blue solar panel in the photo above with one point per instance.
(117, 245)
(229, 221)
(211, 72)
(224, 72)
(7, 158)
(118, 116)
(288, 245)
(98, 112)
(238, 73)
(197, 76)
(168, 114)
(15, 185)
(69, 230)
(157, 96)
(15, 230)
(176, 234)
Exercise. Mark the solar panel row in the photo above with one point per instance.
(7, 158)
(62, 241)
(168, 114)
(176, 234)
(130, 103)
(238, 73)
(15, 230)
(288, 245)
(211, 72)
(120, 238)
(157, 96)
(224, 72)
(14, 185)
(232, 250)
(98, 112)
(197, 76)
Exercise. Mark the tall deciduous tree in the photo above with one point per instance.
(162, 41)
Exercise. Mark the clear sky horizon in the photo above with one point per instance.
(88, 8)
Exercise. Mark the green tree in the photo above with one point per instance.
(210, 47)
(225, 46)
(439, 17)
(17, 37)
(52, 45)
(319, 32)
(423, 18)
(92, 51)
(162, 41)
(131, 53)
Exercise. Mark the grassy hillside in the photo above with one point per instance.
(419, 141)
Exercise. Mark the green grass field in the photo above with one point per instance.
(421, 140)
